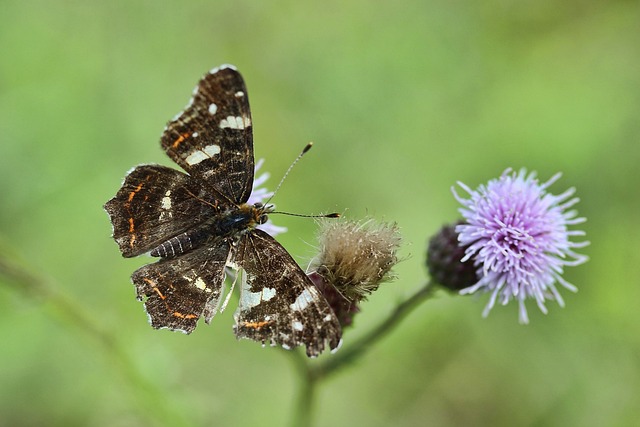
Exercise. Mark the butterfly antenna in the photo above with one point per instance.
(302, 153)
(304, 150)
(331, 215)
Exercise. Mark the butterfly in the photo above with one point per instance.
(199, 223)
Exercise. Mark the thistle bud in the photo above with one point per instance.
(444, 260)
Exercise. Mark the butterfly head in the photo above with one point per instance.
(259, 213)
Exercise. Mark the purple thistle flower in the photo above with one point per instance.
(261, 195)
(517, 236)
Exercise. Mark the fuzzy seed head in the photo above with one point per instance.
(356, 257)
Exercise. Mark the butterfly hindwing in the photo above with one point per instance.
(154, 204)
(278, 302)
(212, 138)
(178, 291)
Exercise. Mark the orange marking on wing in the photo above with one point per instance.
(184, 316)
(131, 227)
(132, 241)
(181, 138)
(255, 325)
(154, 287)
(133, 193)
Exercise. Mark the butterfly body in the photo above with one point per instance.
(200, 222)
(230, 224)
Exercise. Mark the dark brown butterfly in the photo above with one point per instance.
(198, 223)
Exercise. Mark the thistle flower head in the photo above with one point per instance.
(517, 235)
(354, 259)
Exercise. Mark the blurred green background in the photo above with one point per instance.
(402, 100)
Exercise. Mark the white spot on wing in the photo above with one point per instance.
(307, 296)
(297, 325)
(250, 299)
(236, 122)
(204, 154)
(196, 157)
(239, 94)
(166, 200)
(211, 150)
(199, 283)
(213, 108)
(268, 293)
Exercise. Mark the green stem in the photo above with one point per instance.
(302, 415)
(312, 375)
(357, 349)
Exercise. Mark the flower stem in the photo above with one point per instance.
(312, 375)
(302, 415)
(358, 348)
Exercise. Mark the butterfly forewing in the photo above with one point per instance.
(154, 204)
(278, 302)
(212, 138)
